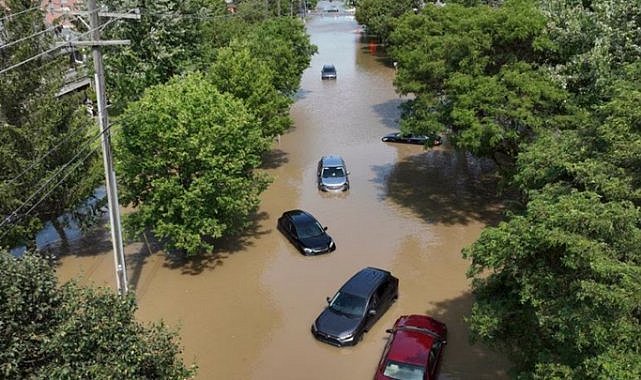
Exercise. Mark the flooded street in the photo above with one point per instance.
(245, 312)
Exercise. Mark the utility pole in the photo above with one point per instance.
(110, 175)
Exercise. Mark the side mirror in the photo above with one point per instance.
(328, 299)
(389, 331)
(371, 312)
(325, 228)
(444, 342)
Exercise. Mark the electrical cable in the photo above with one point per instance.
(39, 159)
(19, 13)
(69, 43)
(14, 213)
(94, 150)
(29, 59)
(11, 43)
(18, 217)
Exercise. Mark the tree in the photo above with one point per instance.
(595, 40)
(168, 40)
(49, 331)
(186, 155)
(236, 72)
(379, 15)
(48, 165)
(477, 73)
(283, 45)
(558, 288)
(558, 285)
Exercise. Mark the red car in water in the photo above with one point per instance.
(414, 349)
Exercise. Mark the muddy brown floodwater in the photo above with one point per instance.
(245, 311)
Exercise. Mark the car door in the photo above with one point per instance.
(380, 301)
(373, 305)
(416, 139)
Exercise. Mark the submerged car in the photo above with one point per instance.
(328, 72)
(305, 232)
(331, 174)
(414, 349)
(408, 138)
(359, 303)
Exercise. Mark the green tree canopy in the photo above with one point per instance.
(69, 332)
(166, 41)
(477, 73)
(236, 72)
(186, 156)
(284, 46)
(379, 15)
(559, 285)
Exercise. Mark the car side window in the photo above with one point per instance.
(291, 228)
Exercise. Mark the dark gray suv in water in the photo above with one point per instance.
(332, 175)
(328, 72)
(355, 307)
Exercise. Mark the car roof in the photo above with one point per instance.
(412, 345)
(299, 216)
(332, 160)
(365, 281)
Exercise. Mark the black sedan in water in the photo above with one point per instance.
(359, 303)
(408, 138)
(305, 232)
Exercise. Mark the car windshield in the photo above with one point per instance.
(349, 304)
(309, 229)
(329, 69)
(403, 371)
(335, 172)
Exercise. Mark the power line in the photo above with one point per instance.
(29, 59)
(19, 13)
(50, 179)
(94, 150)
(39, 159)
(58, 46)
(77, 164)
(28, 37)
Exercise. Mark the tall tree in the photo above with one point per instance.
(379, 16)
(559, 285)
(476, 72)
(47, 163)
(186, 156)
(52, 331)
(236, 72)
(283, 45)
(166, 41)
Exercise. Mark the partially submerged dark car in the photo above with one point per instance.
(328, 72)
(358, 304)
(408, 138)
(305, 232)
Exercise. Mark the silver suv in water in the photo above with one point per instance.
(332, 174)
